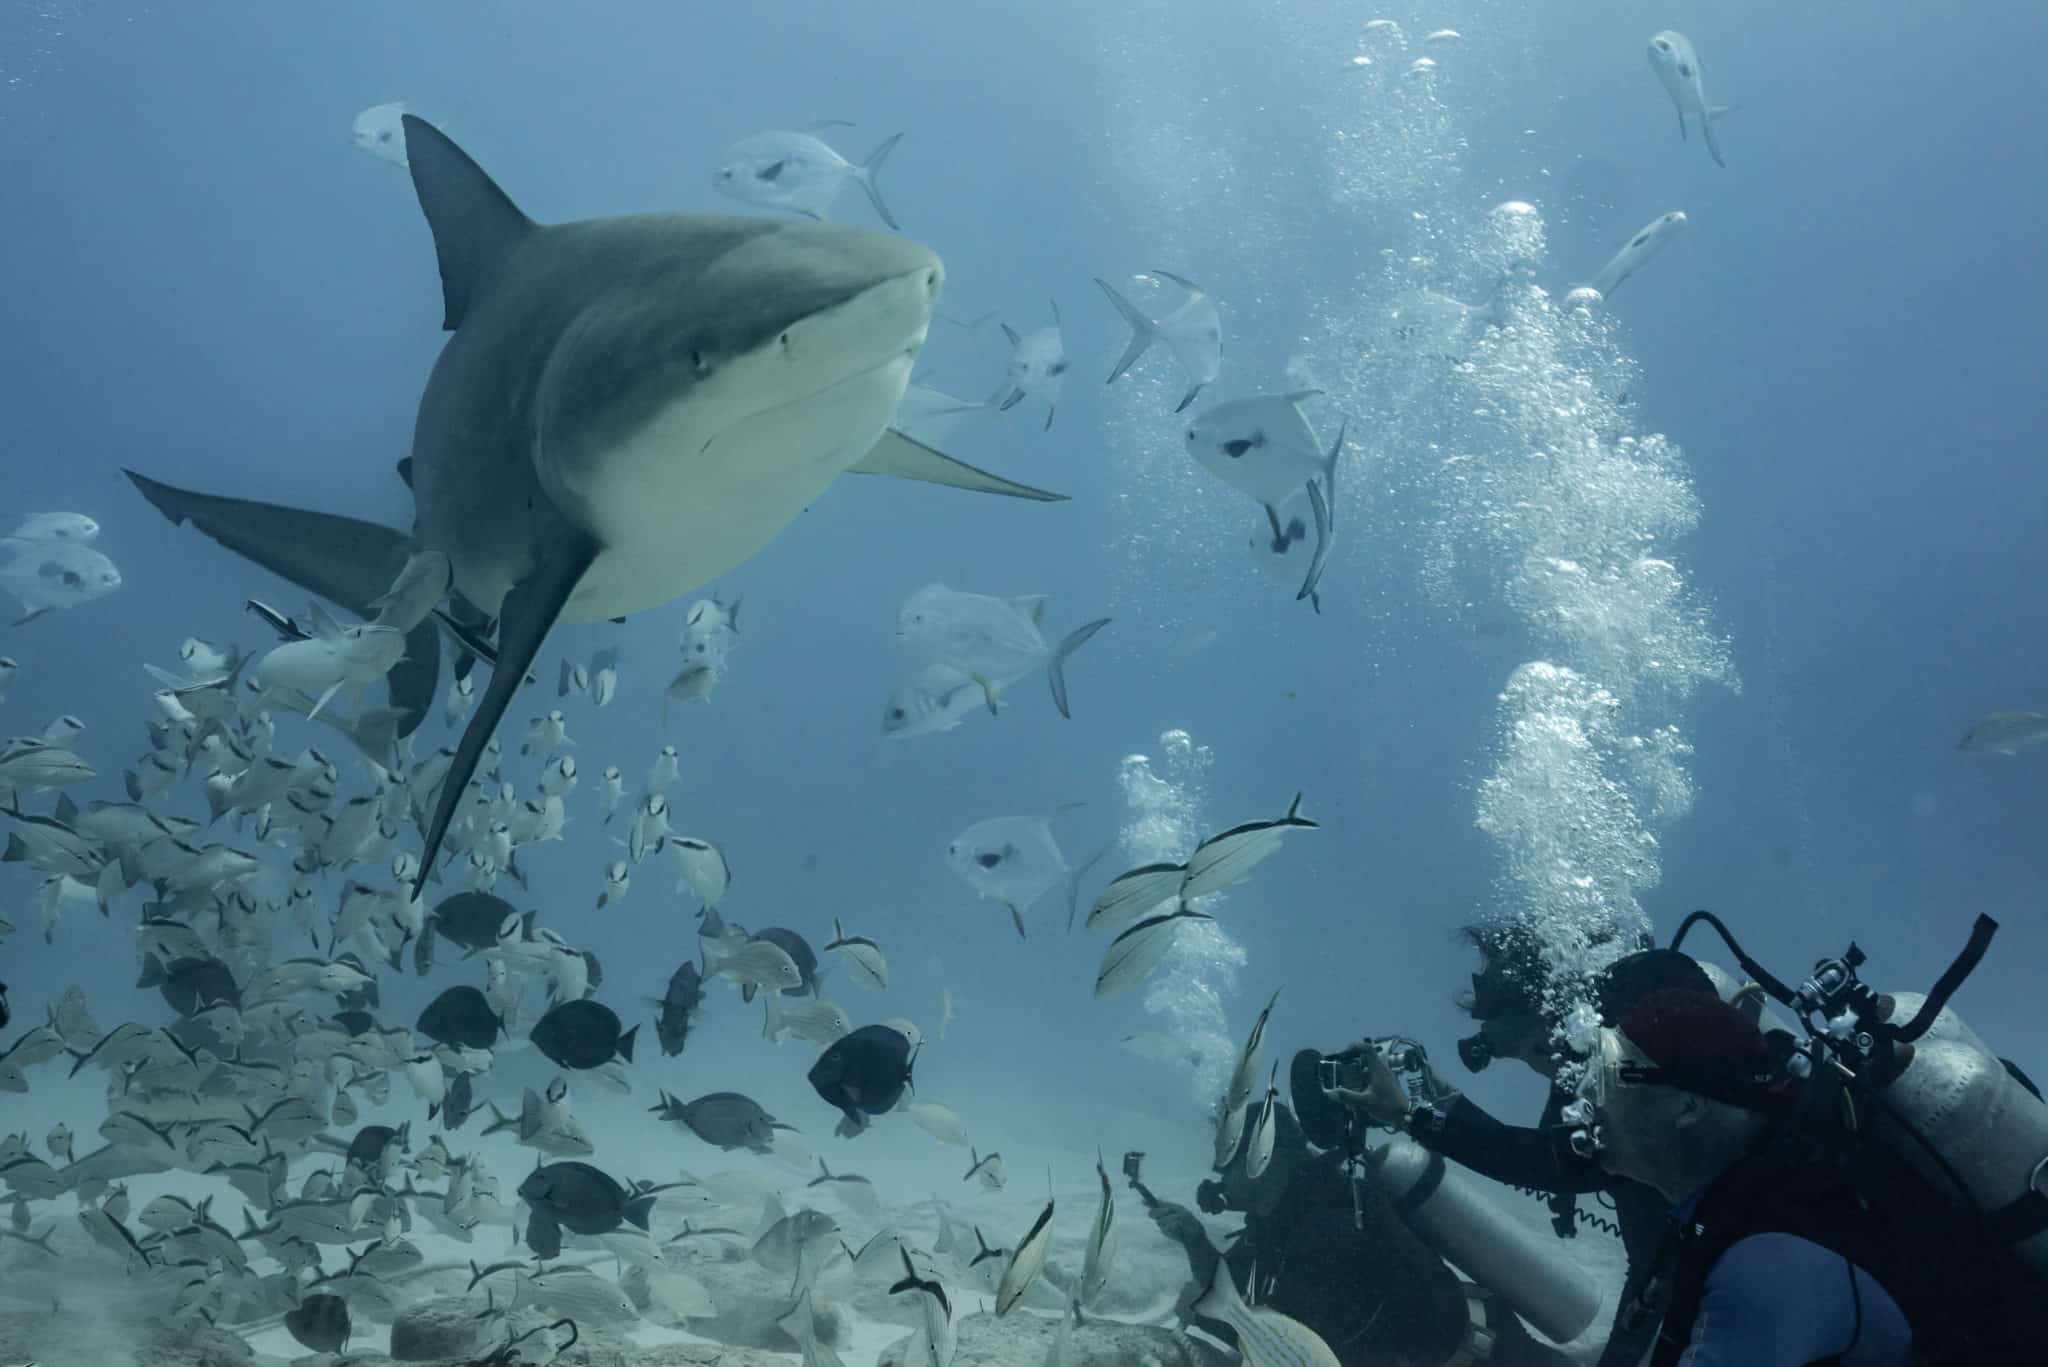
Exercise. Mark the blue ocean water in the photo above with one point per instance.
(1728, 670)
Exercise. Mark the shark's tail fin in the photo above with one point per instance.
(865, 173)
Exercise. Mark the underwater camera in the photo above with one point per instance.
(1408, 1060)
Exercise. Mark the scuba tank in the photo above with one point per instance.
(1928, 1089)
(1499, 1252)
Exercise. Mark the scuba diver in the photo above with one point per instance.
(1335, 1254)
(1508, 1003)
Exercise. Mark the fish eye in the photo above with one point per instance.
(895, 714)
(1191, 434)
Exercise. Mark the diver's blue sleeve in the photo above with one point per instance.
(1776, 1300)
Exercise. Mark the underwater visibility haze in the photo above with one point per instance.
(511, 857)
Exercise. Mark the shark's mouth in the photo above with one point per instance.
(907, 353)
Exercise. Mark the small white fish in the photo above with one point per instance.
(700, 867)
(864, 959)
(63, 730)
(649, 828)
(204, 659)
(559, 777)
(604, 677)
(1229, 856)
(1258, 1154)
(611, 789)
(1037, 368)
(1025, 1261)
(1264, 447)
(1655, 236)
(56, 527)
(662, 773)
(796, 171)
(820, 1020)
(1443, 37)
(1101, 1252)
(574, 678)
(2006, 733)
(696, 683)
(618, 879)
(8, 669)
(1678, 67)
(1192, 332)
(939, 1121)
(987, 1167)
(380, 131)
(1009, 859)
(761, 964)
(1230, 1116)
(51, 576)
(545, 735)
(1139, 949)
(429, 1080)
(461, 700)
(936, 1341)
(333, 659)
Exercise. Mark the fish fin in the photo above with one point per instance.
(1017, 918)
(1713, 143)
(530, 610)
(989, 691)
(476, 226)
(1010, 333)
(1050, 409)
(1330, 470)
(626, 1040)
(907, 458)
(323, 699)
(405, 470)
(1056, 670)
(24, 621)
(1683, 134)
(1074, 890)
(325, 628)
(865, 174)
(342, 559)
(1143, 331)
(1187, 399)
(1007, 398)
(1322, 552)
(413, 680)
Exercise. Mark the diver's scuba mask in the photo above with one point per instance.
(1614, 1063)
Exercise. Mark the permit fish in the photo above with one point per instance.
(380, 131)
(990, 639)
(938, 699)
(1138, 950)
(627, 408)
(1655, 236)
(798, 171)
(1010, 859)
(1678, 67)
(1192, 331)
(940, 1121)
(1265, 447)
(1266, 1338)
(864, 959)
(1037, 368)
(52, 576)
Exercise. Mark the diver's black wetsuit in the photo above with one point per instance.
(1376, 1295)
(1532, 1159)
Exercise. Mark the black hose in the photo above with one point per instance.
(1946, 985)
(1756, 971)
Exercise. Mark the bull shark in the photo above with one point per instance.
(627, 408)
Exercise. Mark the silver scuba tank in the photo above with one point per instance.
(1960, 1102)
(1521, 1266)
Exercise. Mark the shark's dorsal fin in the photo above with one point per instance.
(907, 458)
(476, 225)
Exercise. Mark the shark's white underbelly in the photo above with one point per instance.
(676, 513)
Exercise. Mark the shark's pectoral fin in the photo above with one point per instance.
(341, 559)
(907, 458)
(561, 555)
